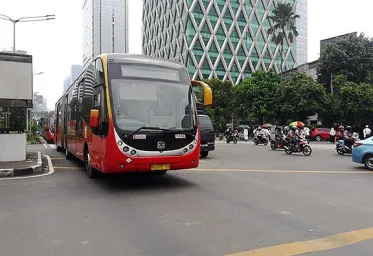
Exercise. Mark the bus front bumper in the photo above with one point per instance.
(153, 164)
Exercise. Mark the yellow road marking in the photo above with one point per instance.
(322, 244)
(283, 171)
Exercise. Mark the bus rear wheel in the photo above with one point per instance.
(91, 172)
(68, 155)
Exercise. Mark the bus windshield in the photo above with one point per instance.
(147, 96)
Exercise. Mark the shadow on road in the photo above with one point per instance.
(142, 183)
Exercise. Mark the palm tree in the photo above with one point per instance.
(284, 19)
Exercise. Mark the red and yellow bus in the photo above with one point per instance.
(46, 124)
(131, 113)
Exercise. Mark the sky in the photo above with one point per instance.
(57, 44)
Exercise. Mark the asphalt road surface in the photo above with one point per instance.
(243, 200)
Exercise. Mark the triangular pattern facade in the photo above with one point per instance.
(225, 39)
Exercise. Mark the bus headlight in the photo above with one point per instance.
(126, 149)
(133, 152)
(185, 150)
(191, 146)
(195, 142)
(120, 143)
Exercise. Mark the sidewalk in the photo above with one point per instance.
(32, 165)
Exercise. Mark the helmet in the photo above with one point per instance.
(259, 128)
(349, 128)
(367, 126)
(341, 128)
(300, 126)
(293, 128)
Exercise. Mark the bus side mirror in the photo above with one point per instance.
(207, 92)
(94, 118)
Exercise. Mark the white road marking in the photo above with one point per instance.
(45, 145)
(52, 146)
(51, 171)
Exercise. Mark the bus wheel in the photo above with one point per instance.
(68, 155)
(91, 172)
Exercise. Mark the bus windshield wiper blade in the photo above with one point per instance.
(149, 128)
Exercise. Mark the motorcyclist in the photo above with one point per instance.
(340, 134)
(348, 139)
(293, 136)
(286, 130)
(228, 132)
(264, 133)
(301, 134)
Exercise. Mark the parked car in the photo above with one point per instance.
(320, 134)
(362, 153)
(207, 135)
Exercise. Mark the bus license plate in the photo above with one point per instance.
(160, 167)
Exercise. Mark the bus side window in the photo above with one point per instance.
(58, 119)
(99, 77)
(80, 118)
(87, 92)
(100, 100)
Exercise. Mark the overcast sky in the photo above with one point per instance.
(55, 45)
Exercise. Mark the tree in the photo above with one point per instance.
(284, 21)
(352, 57)
(351, 103)
(256, 96)
(221, 110)
(300, 97)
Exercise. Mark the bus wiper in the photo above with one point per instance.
(148, 128)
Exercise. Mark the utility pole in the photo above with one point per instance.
(331, 84)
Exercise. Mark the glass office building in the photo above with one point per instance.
(105, 28)
(220, 38)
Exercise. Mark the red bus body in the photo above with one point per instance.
(47, 127)
(109, 148)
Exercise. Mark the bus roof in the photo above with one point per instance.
(142, 59)
(132, 59)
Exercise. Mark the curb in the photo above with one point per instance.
(35, 169)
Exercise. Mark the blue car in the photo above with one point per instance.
(362, 153)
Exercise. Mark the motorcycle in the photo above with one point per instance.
(232, 138)
(301, 147)
(279, 142)
(260, 140)
(342, 149)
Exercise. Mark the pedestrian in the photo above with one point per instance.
(246, 134)
(332, 135)
(367, 132)
(307, 133)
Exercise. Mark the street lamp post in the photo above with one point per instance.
(24, 19)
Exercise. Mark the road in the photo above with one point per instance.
(242, 198)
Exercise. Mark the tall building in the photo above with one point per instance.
(75, 72)
(66, 83)
(220, 39)
(105, 25)
(325, 42)
(39, 102)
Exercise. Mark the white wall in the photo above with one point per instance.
(15, 80)
(12, 147)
